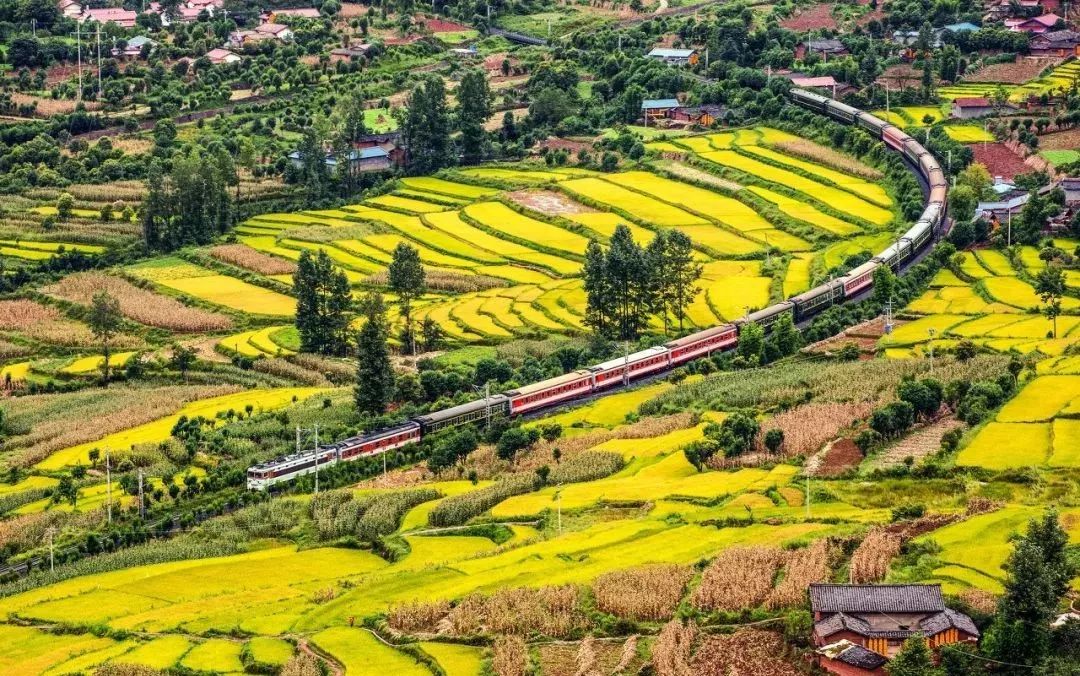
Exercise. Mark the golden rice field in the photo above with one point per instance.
(204, 284)
(159, 430)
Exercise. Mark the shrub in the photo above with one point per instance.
(458, 509)
(908, 512)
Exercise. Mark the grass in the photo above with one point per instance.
(379, 120)
(159, 430)
(1060, 157)
(1001, 445)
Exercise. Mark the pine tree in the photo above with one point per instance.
(597, 298)
(427, 127)
(104, 321)
(374, 373)
(474, 109)
(323, 300)
(627, 279)
(312, 173)
(914, 659)
(683, 273)
(884, 286)
(406, 278)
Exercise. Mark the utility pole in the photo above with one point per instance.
(1009, 229)
(808, 496)
(49, 533)
(626, 363)
(99, 63)
(558, 506)
(78, 52)
(932, 332)
(108, 485)
(317, 458)
(142, 504)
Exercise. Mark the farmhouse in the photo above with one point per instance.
(360, 160)
(350, 53)
(823, 82)
(1034, 25)
(219, 56)
(134, 46)
(705, 115)
(655, 109)
(823, 48)
(1056, 43)
(878, 619)
(121, 17)
(971, 108)
(962, 27)
(674, 57)
(298, 12)
(71, 9)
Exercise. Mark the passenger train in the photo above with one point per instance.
(656, 359)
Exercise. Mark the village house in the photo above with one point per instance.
(1035, 25)
(657, 109)
(674, 57)
(824, 84)
(119, 16)
(350, 53)
(219, 56)
(878, 619)
(704, 115)
(1055, 43)
(494, 65)
(823, 48)
(962, 27)
(133, 48)
(71, 9)
(972, 108)
(360, 160)
(299, 12)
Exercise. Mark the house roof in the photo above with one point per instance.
(851, 654)
(834, 624)
(307, 12)
(1061, 37)
(139, 40)
(655, 104)
(1047, 19)
(876, 598)
(828, 45)
(666, 53)
(219, 54)
(948, 619)
(973, 102)
(961, 27)
(107, 14)
(271, 28)
(822, 81)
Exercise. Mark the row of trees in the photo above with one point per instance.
(628, 284)
(429, 123)
(189, 201)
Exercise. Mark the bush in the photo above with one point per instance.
(908, 512)
(457, 510)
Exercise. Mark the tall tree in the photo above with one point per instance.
(322, 304)
(1038, 576)
(427, 127)
(406, 278)
(628, 282)
(374, 373)
(104, 321)
(597, 297)
(681, 272)
(1050, 285)
(189, 204)
(884, 286)
(473, 110)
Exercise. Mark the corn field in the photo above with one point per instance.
(140, 305)
(807, 428)
(673, 649)
(445, 280)
(456, 510)
(245, 257)
(740, 577)
(829, 157)
(870, 561)
(651, 593)
(510, 657)
(417, 616)
(804, 567)
(551, 611)
(747, 651)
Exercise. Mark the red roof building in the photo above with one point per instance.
(1035, 25)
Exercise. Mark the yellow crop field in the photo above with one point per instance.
(434, 197)
(1066, 451)
(968, 133)
(234, 293)
(28, 254)
(604, 223)
(869, 191)
(1036, 327)
(443, 241)
(15, 372)
(719, 240)
(28, 484)
(455, 659)
(441, 315)
(1017, 293)
(405, 204)
(215, 655)
(450, 222)
(918, 331)
(514, 273)
(240, 343)
(836, 254)
(364, 655)
(273, 651)
(946, 277)
(699, 144)
(502, 218)
(357, 248)
(1001, 445)
(727, 210)
(453, 188)
(984, 325)
(467, 313)
(797, 279)
(86, 662)
(781, 240)
(159, 430)
(517, 176)
(731, 296)
(87, 365)
(996, 262)
(500, 308)
(388, 243)
(835, 197)
(805, 212)
(970, 267)
(1041, 399)
(955, 300)
(160, 653)
(549, 303)
(642, 207)
(610, 410)
(30, 652)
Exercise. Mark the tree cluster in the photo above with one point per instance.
(323, 300)
(188, 203)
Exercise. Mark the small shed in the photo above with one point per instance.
(674, 57)
(972, 108)
(655, 109)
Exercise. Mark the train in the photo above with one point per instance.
(654, 360)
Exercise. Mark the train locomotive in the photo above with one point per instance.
(625, 370)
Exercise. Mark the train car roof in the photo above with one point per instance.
(815, 292)
(460, 409)
(865, 267)
(565, 379)
(635, 356)
(776, 309)
(700, 335)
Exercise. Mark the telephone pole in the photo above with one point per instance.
(108, 485)
(316, 458)
(49, 533)
(78, 53)
(142, 502)
(99, 63)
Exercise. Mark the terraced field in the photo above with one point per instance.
(512, 264)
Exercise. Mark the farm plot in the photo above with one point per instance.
(871, 192)
(1002, 445)
(87, 365)
(257, 343)
(504, 220)
(805, 212)
(405, 204)
(445, 187)
(968, 133)
(1041, 399)
(215, 288)
(643, 208)
(450, 222)
(1020, 294)
(840, 200)
(604, 223)
(160, 429)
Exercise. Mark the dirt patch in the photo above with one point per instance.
(815, 18)
(548, 202)
(496, 121)
(838, 457)
(900, 76)
(999, 160)
(440, 25)
(1017, 72)
(1061, 140)
(45, 107)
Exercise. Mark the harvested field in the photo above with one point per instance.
(642, 593)
(245, 257)
(548, 202)
(827, 156)
(999, 160)
(48, 325)
(747, 651)
(917, 445)
(806, 428)
(1018, 72)
(815, 18)
(837, 458)
(140, 305)
(740, 577)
